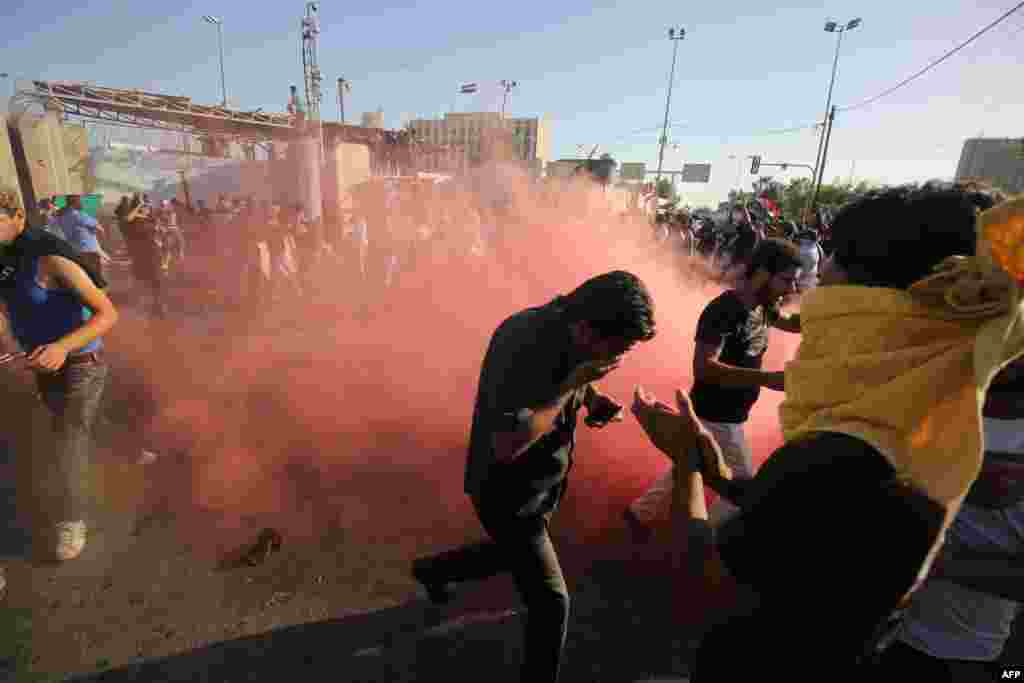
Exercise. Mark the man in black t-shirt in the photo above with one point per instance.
(538, 371)
(832, 535)
(732, 337)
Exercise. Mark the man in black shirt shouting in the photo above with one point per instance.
(732, 337)
(538, 371)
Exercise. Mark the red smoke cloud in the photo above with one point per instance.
(336, 422)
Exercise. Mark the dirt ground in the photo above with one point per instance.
(141, 604)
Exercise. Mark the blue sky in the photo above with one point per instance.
(599, 70)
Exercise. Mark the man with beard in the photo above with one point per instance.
(538, 371)
(883, 437)
(731, 340)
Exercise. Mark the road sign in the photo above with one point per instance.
(632, 171)
(696, 173)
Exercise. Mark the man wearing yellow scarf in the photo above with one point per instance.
(918, 310)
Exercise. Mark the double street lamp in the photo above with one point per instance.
(507, 86)
(219, 23)
(826, 123)
(675, 35)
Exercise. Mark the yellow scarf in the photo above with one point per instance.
(907, 371)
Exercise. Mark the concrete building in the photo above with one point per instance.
(601, 169)
(528, 138)
(373, 119)
(9, 180)
(44, 156)
(999, 161)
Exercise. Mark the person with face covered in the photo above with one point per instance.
(732, 338)
(539, 370)
(958, 623)
(883, 437)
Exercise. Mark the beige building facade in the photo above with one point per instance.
(530, 137)
(999, 161)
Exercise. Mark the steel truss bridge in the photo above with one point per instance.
(178, 114)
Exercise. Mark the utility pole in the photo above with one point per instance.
(675, 38)
(826, 126)
(824, 155)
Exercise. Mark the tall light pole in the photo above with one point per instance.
(675, 35)
(826, 121)
(507, 86)
(343, 86)
(219, 23)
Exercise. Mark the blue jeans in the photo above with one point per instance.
(72, 395)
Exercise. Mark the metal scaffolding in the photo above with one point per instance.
(153, 111)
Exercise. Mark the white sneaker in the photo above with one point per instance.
(70, 540)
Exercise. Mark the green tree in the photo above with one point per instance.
(796, 195)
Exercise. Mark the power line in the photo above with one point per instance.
(762, 133)
(935, 63)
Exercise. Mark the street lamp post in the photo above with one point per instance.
(507, 86)
(342, 87)
(219, 23)
(826, 121)
(675, 36)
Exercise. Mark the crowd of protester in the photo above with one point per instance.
(884, 434)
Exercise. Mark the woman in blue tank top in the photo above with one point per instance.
(58, 315)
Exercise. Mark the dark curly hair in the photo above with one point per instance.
(615, 304)
(895, 236)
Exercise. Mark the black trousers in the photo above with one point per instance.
(522, 546)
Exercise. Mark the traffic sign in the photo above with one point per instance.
(696, 173)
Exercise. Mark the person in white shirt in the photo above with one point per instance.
(959, 621)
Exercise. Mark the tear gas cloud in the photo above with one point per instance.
(328, 419)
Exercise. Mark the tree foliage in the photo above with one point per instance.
(796, 195)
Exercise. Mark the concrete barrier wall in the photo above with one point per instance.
(8, 171)
(347, 166)
(57, 155)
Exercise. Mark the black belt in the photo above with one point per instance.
(90, 357)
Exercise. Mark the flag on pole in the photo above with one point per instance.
(468, 88)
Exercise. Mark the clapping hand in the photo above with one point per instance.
(678, 433)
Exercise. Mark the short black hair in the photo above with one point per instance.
(615, 304)
(896, 236)
(774, 256)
